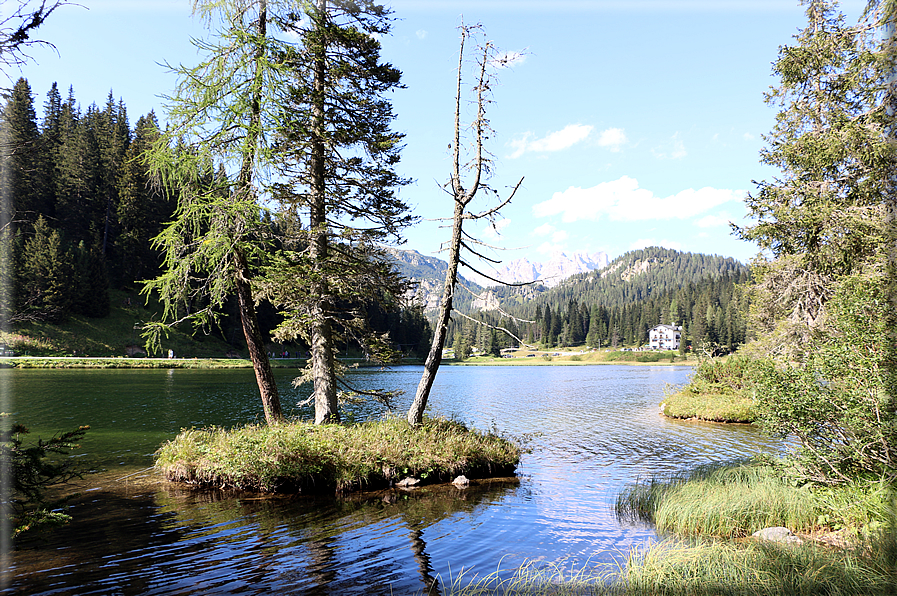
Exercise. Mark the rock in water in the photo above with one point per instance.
(461, 481)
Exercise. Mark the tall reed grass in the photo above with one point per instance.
(736, 499)
(702, 569)
(758, 568)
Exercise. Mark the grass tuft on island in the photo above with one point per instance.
(303, 457)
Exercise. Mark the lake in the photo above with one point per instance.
(591, 429)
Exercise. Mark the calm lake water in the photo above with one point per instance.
(597, 428)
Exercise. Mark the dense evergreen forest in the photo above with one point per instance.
(81, 214)
(617, 305)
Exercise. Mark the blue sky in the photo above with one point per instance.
(633, 122)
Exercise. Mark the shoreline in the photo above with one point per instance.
(124, 362)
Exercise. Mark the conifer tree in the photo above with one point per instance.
(23, 159)
(823, 217)
(141, 209)
(47, 279)
(339, 198)
(91, 285)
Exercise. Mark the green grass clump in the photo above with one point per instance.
(737, 499)
(299, 456)
(537, 578)
(736, 502)
(701, 569)
(766, 569)
(727, 501)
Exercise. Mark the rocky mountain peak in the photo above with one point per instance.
(554, 271)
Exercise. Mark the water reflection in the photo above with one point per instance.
(597, 428)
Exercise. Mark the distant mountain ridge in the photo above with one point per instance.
(552, 272)
(631, 277)
(428, 274)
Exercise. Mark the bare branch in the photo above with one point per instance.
(504, 283)
(500, 311)
(484, 257)
(484, 324)
(16, 30)
(497, 208)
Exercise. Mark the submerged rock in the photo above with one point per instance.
(779, 534)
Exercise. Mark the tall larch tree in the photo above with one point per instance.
(225, 110)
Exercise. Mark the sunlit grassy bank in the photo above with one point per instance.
(576, 356)
(700, 569)
(719, 391)
(849, 543)
(733, 501)
(298, 456)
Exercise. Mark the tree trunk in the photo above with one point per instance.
(326, 406)
(434, 358)
(264, 376)
(248, 319)
(462, 198)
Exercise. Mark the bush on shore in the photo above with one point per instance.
(300, 456)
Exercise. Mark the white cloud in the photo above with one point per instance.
(748, 136)
(544, 230)
(713, 221)
(547, 248)
(646, 242)
(508, 59)
(555, 141)
(674, 149)
(421, 33)
(559, 236)
(612, 138)
(493, 231)
(623, 200)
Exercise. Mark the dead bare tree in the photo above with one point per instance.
(479, 168)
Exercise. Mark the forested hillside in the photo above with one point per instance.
(81, 214)
(81, 210)
(617, 305)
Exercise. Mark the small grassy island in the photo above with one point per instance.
(302, 457)
(720, 390)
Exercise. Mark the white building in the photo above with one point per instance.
(665, 337)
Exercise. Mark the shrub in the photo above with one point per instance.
(836, 402)
(33, 470)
